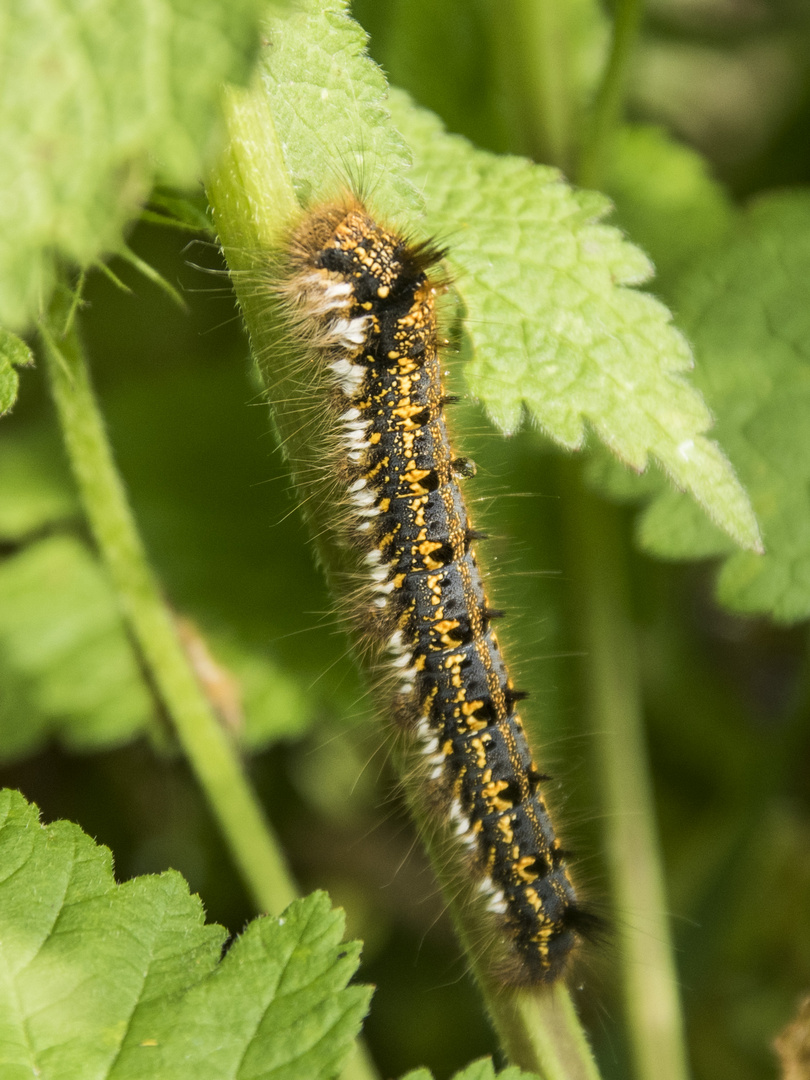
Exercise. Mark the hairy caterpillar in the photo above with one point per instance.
(357, 297)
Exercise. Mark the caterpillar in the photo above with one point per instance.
(360, 301)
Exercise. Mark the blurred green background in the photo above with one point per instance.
(725, 697)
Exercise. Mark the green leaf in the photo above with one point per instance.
(83, 959)
(120, 981)
(557, 331)
(477, 1070)
(278, 1005)
(14, 353)
(95, 102)
(327, 99)
(666, 199)
(747, 310)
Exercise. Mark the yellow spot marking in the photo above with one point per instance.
(407, 411)
(480, 753)
(491, 792)
(522, 866)
(428, 547)
(505, 825)
(414, 475)
(535, 902)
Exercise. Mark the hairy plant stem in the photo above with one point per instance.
(253, 208)
(596, 567)
(212, 755)
(608, 106)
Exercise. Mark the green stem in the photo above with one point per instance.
(252, 207)
(532, 37)
(597, 569)
(544, 23)
(607, 109)
(209, 750)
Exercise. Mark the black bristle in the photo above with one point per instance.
(513, 696)
(474, 534)
(423, 255)
(488, 613)
(536, 778)
(560, 855)
(586, 923)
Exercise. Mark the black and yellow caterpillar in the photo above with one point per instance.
(360, 298)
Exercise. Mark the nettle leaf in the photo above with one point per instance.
(100, 981)
(14, 353)
(96, 102)
(281, 1008)
(477, 1070)
(327, 99)
(68, 670)
(557, 331)
(746, 307)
